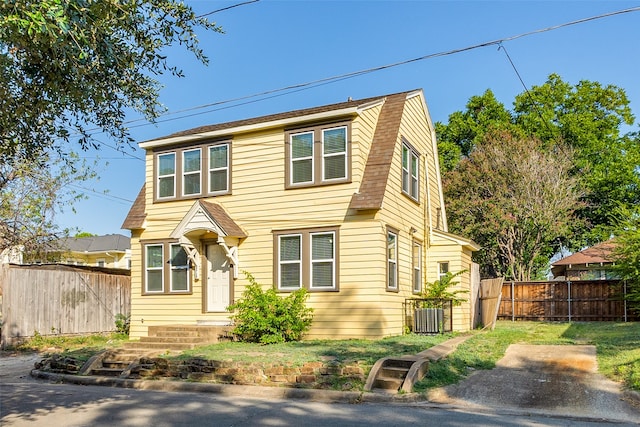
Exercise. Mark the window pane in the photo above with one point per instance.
(335, 167)
(218, 180)
(178, 256)
(290, 248)
(322, 246)
(192, 183)
(322, 275)
(191, 161)
(179, 281)
(167, 164)
(154, 281)
(290, 275)
(405, 180)
(334, 140)
(154, 256)
(405, 157)
(218, 156)
(302, 145)
(414, 187)
(166, 187)
(302, 171)
(391, 246)
(392, 274)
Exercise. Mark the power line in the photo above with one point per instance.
(332, 79)
(227, 8)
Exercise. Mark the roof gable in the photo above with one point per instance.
(596, 254)
(207, 217)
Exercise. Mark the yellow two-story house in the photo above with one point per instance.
(344, 200)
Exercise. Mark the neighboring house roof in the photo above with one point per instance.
(600, 253)
(136, 216)
(110, 242)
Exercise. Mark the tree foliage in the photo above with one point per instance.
(440, 289)
(515, 199)
(31, 196)
(587, 117)
(67, 66)
(627, 253)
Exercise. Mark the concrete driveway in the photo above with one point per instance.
(553, 379)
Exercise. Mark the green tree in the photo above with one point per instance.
(69, 66)
(514, 199)
(627, 253)
(31, 196)
(587, 117)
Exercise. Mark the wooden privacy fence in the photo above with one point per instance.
(584, 300)
(61, 299)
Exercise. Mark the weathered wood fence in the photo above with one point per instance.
(61, 300)
(584, 300)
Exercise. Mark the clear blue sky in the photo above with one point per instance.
(272, 44)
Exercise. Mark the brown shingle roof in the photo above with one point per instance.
(223, 219)
(136, 216)
(376, 171)
(271, 117)
(596, 254)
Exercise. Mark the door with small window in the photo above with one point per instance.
(218, 280)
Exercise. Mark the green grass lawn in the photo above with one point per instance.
(618, 349)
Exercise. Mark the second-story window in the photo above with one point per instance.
(410, 172)
(317, 155)
(166, 175)
(190, 172)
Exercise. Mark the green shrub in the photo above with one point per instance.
(122, 323)
(264, 317)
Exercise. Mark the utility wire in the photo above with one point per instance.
(227, 8)
(333, 79)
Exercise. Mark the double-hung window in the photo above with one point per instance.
(317, 155)
(443, 269)
(219, 168)
(392, 260)
(417, 267)
(410, 172)
(166, 269)
(190, 172)
(166, 175)
(306, 259)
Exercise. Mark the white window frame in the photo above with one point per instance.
(215, 169)
(174, 175)
(311, 157)
(417, 267)
(101, 262)
(392, 261)
(281, 262)
(332, 260)
(147, 269)
(173, 268)
(410, 177)
(198, 172)
(443, 269)
(341, 153)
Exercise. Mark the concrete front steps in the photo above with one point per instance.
(180, 337)
(394, 374)
(160, 340)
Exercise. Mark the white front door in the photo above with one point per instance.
(217, 279)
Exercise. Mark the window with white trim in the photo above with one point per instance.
(392, 261)
(166, 175)
(306, 259)
(417, 267)
(219, 168)
(191, 172)
(443, 269)
(317, 155)
(410, 172)
(167, 269)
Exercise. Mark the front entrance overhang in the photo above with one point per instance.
(209, 220)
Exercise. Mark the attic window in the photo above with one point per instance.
(318, 155)
(410, 172)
